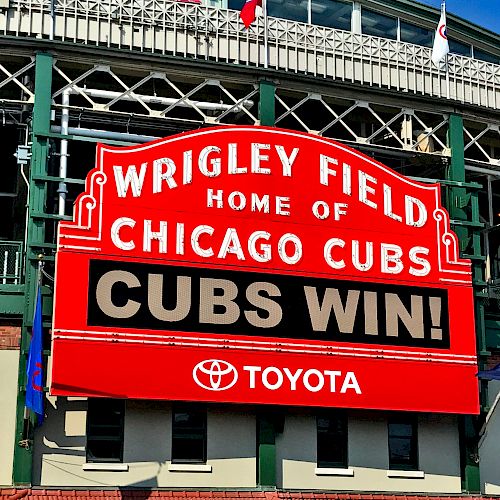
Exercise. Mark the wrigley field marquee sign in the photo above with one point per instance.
(258, 265)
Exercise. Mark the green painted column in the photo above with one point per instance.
(23, 448)
(266, 429)
(456, 172)
(267, 110)
(457, 202)
(266, 451)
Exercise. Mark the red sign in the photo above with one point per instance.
(258, 265)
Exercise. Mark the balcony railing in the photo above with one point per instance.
(198, 32)
(11, 259)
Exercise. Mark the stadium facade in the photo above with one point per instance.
(124, 73)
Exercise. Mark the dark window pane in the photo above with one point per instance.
(403, 451)
(189, 420)
(295, 10)
(235, 4)
(331, 13)
(415, 34)
(189, 435)
(401, 429)
(105, 418)
(332, 440)
(486, 56)
(459, 48)
(188, 449)
(104, 451)
(373, 23)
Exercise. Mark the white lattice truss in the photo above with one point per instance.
(194, 31)
(482, 142)
(399, 125)
(13, 89)
(152, 105)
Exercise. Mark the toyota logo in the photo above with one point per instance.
(215, 375)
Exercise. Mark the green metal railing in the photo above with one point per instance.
(11, 262)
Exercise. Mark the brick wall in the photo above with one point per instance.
(124, 494)
(9, 337)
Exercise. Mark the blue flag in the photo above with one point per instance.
(492, 374)
(34, 386)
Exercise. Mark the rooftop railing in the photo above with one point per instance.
(198, 32)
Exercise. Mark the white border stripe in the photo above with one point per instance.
(253, 348)
(260, 345)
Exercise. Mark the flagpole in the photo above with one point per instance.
(266, 38)
(443, 11)
(25, 441)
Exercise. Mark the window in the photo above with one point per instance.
(486, 56)
(415, 34)
(332, 440)
(403, 452)
(294, 10)
(373, 23)
(459, 48)
(331, 13)
(105, 419)
(189, 435)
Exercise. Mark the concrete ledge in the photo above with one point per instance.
(409, 474)
(332, 471)
(105, 467)
(189, 468)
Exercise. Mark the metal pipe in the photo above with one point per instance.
(62, 190)
(104, 134)
(166, 101)
(489, 272)
(481, 170)
(52, 20)
(16, 268)
(5, 261)
(26, 217)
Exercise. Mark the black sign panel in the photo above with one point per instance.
(189, 299)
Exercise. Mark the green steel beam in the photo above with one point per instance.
(266, 451)
(456, 172)
(12, 300)
(471, 482)
(267, 110)
(464, 211)
(23, 447)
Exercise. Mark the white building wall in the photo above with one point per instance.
(9, 360)
(231, 448)
(489, 447)
(60, 449)
(368, 456)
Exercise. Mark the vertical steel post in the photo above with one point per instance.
(456, 207)
(266, 451)
(456, 172)
(266, 432)
(23, 450)
(267, 113)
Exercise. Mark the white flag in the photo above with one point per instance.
(440, 47)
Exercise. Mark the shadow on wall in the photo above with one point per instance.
(60, 444)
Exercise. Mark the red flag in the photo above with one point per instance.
(247, 14)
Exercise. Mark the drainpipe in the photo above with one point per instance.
(167, 101)
(105, 134)
(63, 162)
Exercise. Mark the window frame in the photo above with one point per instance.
(413, 463)
(91, 427)
(341, 440)
(187, 433)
